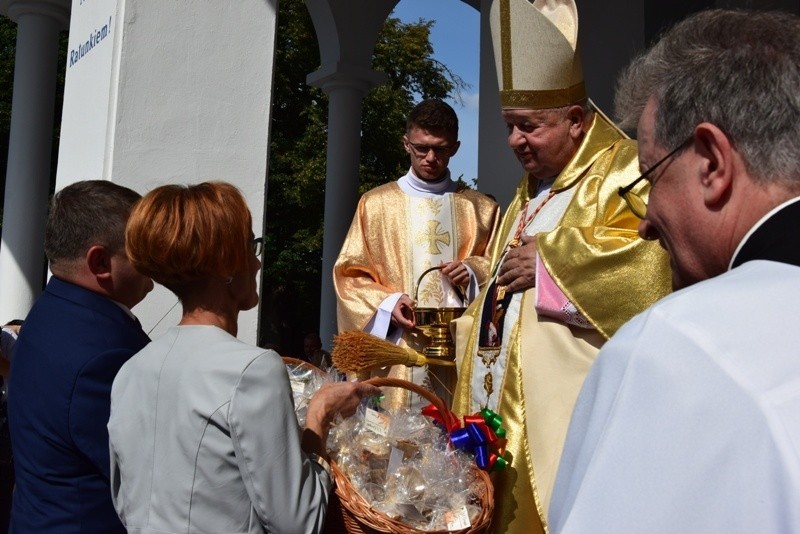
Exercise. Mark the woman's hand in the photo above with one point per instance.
(331, 399)
(340, 397)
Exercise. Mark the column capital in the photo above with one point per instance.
(58, 10)
(339, 75)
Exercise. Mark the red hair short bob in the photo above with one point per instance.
(178, 234)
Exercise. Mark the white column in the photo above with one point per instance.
(30, 147)
(346, 89)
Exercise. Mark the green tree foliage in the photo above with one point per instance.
(296, 187)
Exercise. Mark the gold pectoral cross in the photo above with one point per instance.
(434, 237)
(501, 292)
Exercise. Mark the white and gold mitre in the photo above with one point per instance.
(536, 53)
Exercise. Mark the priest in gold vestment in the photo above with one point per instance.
(403, 228)
(568, 267)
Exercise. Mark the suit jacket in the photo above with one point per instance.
(69, 350)
(204, 438)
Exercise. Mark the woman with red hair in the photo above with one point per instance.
(203, 431)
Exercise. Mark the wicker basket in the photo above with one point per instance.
(360, 518)
(297, 362)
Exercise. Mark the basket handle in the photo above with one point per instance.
(297, 362)
(456, 289)
(428, 395)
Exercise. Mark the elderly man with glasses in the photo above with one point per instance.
(404, 228)
(689, 420)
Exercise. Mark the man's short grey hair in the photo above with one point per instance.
(738, 70)
(87, 213)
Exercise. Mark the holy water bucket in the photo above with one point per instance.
(434, 324)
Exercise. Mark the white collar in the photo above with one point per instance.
(411, 184)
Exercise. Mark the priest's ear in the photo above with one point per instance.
(718, 162)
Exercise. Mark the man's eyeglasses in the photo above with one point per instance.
(635, 202)
(257, 245)
(422, 150)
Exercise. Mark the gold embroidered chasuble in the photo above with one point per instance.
(392, 239)
(597, 259)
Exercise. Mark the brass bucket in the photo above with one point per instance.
(434, 325)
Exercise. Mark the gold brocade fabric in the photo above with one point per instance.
(598, 260)
(375, 259)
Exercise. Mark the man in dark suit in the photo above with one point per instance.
(74, 340)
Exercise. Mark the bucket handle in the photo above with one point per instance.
(456, 289)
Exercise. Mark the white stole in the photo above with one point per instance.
(545, 221)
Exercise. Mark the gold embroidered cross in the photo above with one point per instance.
(434, 237)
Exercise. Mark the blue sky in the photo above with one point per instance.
(455, 39)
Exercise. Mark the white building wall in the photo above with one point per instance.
(179, 91)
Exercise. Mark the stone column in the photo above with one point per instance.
(347, 32)
(346, 88)
(29, 152)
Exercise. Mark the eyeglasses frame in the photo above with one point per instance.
(438, 151)
(627, 190)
